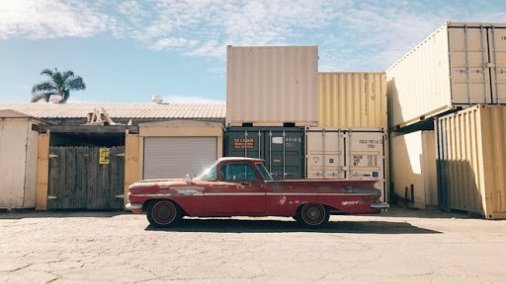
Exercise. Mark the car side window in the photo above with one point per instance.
(238, 172)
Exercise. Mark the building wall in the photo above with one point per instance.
(413, 162)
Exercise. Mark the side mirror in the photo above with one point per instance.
(188, 179)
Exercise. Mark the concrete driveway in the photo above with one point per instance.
(399, 246)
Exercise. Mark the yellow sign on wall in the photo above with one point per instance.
(104, 156)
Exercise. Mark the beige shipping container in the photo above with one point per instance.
(352, 100)
(18, 160)
(272, 85)
(413, 168)
(472, 160)
(460, 64)
(346, 154)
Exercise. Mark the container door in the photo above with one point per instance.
(365, 156)
(243, 143)
(470, 76)
(325, 157)
(284, 153)
(497, 50)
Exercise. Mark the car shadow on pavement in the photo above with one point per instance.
(289, 226)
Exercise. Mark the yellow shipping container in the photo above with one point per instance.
(472, 160)
(352, 100)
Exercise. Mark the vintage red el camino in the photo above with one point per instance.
(244, 187)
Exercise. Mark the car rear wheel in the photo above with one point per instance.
(313, 215)
(163, 213)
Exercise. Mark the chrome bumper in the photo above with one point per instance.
(134, 207)
(380, 205)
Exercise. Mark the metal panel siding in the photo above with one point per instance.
(413, 166)
(352, 100)
(349, 154)
(472, 160)
(459, 64)
(174, 157)
(281, 148)
(272, 85)
(13, 148)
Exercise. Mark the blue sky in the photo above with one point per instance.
(128, 51)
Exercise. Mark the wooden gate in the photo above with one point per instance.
(80, 178)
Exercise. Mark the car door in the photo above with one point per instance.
(239, 191)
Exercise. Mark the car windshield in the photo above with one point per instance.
(208, 174)
(265, 174)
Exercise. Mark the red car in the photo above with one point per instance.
(244, 187)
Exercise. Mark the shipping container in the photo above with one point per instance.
(346, 154)
(352, 100)
(282, 148)
(272, 86)
(413, 164)
(472, 161)
(459, 65)
(18, 160)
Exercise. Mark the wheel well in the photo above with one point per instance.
(146, 204)
(327, 208)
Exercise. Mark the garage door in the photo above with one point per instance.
(174, 157)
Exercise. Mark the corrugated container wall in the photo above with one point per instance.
(18, 163)
(352, 100)
(282, 148)
(346, 154)
(460, 64)
(472, 161)
(413, 162)
(268, 86)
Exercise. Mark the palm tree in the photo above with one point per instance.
(60, 83)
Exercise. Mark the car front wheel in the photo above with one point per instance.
(163, 213)
(313, 215)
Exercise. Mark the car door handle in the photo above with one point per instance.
(245, 183)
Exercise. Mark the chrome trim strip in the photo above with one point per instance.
(253, 194)
(380, 205)
(133, 206)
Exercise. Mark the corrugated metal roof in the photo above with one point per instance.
(120, 110)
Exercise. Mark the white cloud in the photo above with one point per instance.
(176, 42)
(49, 19)
(351, 34)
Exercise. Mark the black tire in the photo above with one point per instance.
(163, 213)
(313, 215)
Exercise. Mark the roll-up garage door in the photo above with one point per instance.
(174, 157)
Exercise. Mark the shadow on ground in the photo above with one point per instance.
(280, 226)
(16, 215)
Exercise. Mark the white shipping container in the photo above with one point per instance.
(268, 86)
(18, 162)
(413, 168)
(460, 64)
(346, 154)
